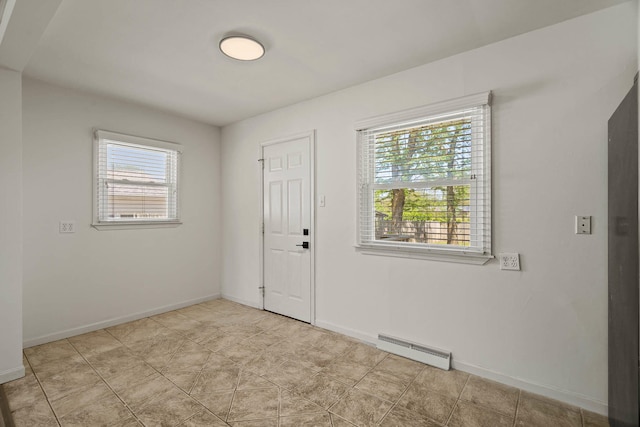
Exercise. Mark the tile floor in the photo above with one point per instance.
(220, 363)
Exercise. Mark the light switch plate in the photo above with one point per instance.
(583, 225)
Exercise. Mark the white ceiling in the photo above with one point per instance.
(164, 53)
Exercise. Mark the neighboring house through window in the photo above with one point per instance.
(136, 181)
(424, 181)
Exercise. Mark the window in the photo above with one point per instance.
(136, 181)
(424, 182)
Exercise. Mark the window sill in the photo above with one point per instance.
(428, 254)
(102, 226)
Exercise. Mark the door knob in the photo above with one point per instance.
(305, 245)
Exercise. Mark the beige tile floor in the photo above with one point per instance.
(219, 363)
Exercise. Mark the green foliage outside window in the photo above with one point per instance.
(441, 154)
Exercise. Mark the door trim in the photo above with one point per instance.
(311, 135)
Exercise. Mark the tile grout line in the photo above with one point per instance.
(192, 416)
(342, 418)
(234, 394)
(207, 409)
(173, 356)
(457, 400)
(160, 373)
(42, 388)
(129, 351)
(515, 418)
(345, 353)
(279, 408)
(366, 392)
(182, 333)
(195, 381)
(343, 394)
(393, 403)
(104, 380)
(369, 394)
(405, 392)
(347, 384)
(149, 365)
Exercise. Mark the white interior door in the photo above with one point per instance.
(287, 217)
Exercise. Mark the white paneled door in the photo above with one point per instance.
(287, 219)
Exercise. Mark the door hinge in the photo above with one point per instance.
(262, 227)
(261, 290)
(261, 162)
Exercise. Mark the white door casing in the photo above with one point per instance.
(287, 212)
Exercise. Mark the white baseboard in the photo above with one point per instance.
(565, 396)
(242, 301)
(368, 339)
(112, 322)
(11, 374)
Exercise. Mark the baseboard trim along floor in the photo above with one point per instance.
(112, 322)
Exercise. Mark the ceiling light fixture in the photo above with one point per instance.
(242, 48)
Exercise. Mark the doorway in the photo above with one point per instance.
(288, 226)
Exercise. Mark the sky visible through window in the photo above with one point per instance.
(137, 164)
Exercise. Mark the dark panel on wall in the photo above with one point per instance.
(623, 263)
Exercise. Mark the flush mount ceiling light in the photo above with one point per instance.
(242, 48)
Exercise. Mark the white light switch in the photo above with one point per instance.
(321, 201)
(583, 225)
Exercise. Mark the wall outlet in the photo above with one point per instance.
(509, 261)
(67, 227)
(583, 225)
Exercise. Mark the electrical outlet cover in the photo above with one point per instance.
(67, 227)
(509, 261)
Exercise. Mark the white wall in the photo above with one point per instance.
(10, 226)
(73, 281)
(544, 328)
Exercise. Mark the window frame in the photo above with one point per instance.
(421, 250)
(132, 140)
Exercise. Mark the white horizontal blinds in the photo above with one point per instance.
(365, 172)
(422, 182)
(136, 183)
(480, 219)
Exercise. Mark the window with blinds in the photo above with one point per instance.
(136, 180)
(424, 180)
